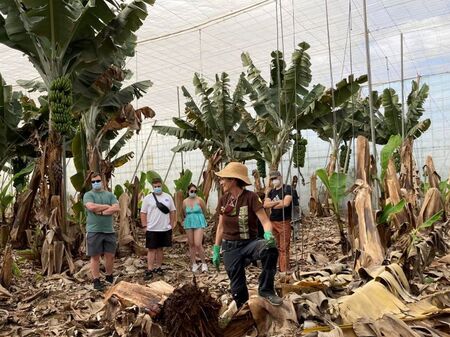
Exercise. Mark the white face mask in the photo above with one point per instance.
(276, 182)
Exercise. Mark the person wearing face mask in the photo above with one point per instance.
(158, 216)
(194, 210)
(101, 239)
(279, 201)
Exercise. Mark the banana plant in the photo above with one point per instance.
(213, 126)
(414, 126)
(77, 40)
(288, 104)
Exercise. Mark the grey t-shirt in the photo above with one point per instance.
(99, 223)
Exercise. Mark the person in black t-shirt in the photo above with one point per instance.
(279, 200)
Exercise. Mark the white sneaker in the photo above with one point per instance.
(195, 267)
(204, 268)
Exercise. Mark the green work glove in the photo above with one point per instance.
(216, 256)
(270, 240)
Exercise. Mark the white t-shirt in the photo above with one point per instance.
(157, 221)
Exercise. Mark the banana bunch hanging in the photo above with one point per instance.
(343, 156)
(299, 151)
(261, 167)
(60, 100)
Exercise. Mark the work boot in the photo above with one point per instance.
(98, 285)
(109, 278)
(148, 275)
(273, 298)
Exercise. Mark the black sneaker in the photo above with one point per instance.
(148, 275)
(98, 285)
(159, 271)
(109, 278)
(273, 298)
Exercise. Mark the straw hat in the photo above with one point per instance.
(235, 170)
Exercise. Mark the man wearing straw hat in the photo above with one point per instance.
(237, 234)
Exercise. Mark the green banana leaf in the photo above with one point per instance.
(336, 186)
(389, 210)
(393, 144)
(182, 183)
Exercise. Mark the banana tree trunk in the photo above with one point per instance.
(407, 172)
(209, 175)
(22, 217)
(369, 243)
(179, 197)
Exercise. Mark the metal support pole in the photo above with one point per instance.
(171, 162)
(179, 116)
(143, 152)
(403, 86)
(369, 77)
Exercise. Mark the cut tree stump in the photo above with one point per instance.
(130, 294)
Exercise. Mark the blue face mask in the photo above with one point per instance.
(157, 190)
(192, 195)
(97, 186)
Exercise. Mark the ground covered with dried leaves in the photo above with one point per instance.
(67, 305)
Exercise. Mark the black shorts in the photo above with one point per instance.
(155, 240)
(99, 243)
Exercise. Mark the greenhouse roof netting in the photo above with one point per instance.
(182, 37)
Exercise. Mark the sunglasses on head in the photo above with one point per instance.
(96, 181)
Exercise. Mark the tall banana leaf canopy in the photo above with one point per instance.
(214, 123)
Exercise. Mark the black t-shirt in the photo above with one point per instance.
(279, 194)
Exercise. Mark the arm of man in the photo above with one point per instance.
(264, 219)
(144, 210)
(111, 209)
(173, 213)
(96, 208)
(173, 219)
(143, 220)
(284, 203)
(271, 204)
(219, 231)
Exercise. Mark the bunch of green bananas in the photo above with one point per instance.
(261, 167)
(343, 155)
(299, 151)
(60, 100)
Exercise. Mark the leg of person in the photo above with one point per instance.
(109, 249)
(191, 243)
(151, 254)
(234, 265)
(277, 230)
(159, 257)
(258, 250)
(150, 245)
(94, 251)
(198, 240)
(284, 245)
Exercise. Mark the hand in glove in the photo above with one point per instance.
(270, 240)
(216, 256)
